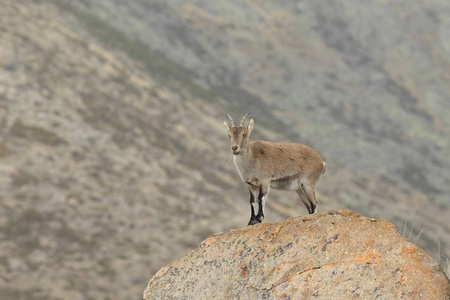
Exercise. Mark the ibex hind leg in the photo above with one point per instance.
(263, 192)
(310, 198)
(305, 200)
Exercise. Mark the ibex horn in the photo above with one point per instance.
(243, 119)
(231, 120)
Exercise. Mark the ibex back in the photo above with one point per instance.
(281, 166)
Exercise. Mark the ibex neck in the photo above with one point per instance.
(246, 153)
(243, 162)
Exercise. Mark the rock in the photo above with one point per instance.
(330, 255)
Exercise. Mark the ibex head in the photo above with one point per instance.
(239, 134)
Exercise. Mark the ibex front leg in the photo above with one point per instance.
(253, 196)
(260, 193)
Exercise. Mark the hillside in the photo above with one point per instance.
(370, 97)
(113, 157)
(329, 255)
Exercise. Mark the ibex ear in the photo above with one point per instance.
(226, 125)
(250, 126)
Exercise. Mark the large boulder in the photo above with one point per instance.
(330, 255)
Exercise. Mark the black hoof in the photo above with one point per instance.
(254, 221)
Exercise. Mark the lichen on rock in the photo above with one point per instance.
(330, 255)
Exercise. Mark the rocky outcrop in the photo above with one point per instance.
(330, 255)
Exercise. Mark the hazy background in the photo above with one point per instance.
(113, 157)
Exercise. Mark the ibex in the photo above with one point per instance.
(281, 166)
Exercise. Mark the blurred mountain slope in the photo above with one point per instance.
(367, 85)
(113, 158)
(102, 169)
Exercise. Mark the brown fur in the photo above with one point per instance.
(264, 165)
(285, 160)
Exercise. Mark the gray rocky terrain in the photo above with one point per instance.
(113, 157)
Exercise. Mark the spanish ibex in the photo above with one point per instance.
(281, 166)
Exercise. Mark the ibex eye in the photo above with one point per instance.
(245, 135)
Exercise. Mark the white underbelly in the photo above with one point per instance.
(284, 185)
